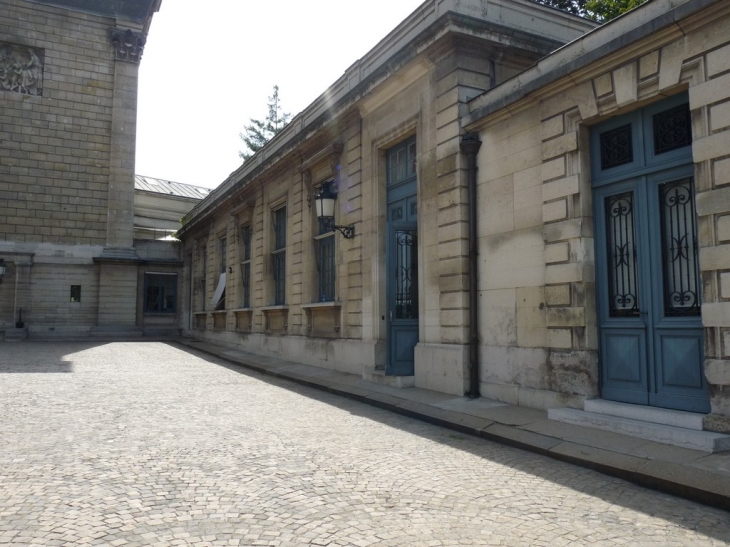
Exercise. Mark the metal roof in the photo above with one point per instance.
(160, 186)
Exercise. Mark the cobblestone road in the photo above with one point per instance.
(129, 444)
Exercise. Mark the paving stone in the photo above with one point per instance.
(149, 444)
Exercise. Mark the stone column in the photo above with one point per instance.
(118, 261)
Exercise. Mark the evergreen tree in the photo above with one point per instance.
(259, 132)
(598, 10)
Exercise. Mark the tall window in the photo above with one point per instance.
(246, 265)
(204, 273)
(222, 244)
(278, 256)
(324, 244)
(160, 292)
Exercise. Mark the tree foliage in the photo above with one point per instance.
(598, 10)
(258, 132)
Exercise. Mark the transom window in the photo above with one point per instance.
(402, 161)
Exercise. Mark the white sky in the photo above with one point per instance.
(210, 66)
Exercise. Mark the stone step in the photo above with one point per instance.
(706, 441)
(379, 377)
(677, 418)
(16, 334)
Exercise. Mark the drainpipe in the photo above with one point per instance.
(470, 145)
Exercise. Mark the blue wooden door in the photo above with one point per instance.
(402, 260)
(647, 270)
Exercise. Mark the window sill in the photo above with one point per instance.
(281, 307)
(200, 313)
(242, 310)
(215, 312)
(322, 305)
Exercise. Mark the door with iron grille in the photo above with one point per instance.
(647, 268)
(402, 259)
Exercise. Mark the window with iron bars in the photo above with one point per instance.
(278, 256)
(246, 265)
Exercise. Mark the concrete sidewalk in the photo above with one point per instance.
(692, 474)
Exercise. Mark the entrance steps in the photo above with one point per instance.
(653, 424)
(378, 376)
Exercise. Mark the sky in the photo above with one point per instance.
(208, 67)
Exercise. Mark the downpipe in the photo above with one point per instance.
(470, 145)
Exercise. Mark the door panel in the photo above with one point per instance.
(402, 273)
(648, 279)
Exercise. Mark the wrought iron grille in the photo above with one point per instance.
(223, 244)
(616, 147)
(279, 256)
(621, 246)
(326, 265)
(246, 280)
(406, 274)
(672, 129)
(279, 259)
(679, 248)
(246, 265)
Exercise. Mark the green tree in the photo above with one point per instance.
(598, 10)
(259, 132)
(605, 10)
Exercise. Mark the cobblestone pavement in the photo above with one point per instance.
(145, 443)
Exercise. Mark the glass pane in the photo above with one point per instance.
(223, 250)
(327, 269)
(406, 274)
(280, 228)
(679, 248)
(246, 277)
(279, 279)
(246, 233)
(621, 246)
(412, 159)
(672, 129)
(616, 147)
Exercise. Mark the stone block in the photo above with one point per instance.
(557, 295)
(625, 83)
(553, 169)
(721, 172)
(560, 338)
(552, 127)
(723, 229)
(555, 210)
(567, 229)
(581, 96)
(720, 116)
(498, 317)
(525, 179)
(713, 202)
(711, 91)
(557, 252)
(560, 188)
(715, 258)
(711, 147)
(725, 284)
(718, 61)
(717, 372)
(648, 65)
(603, 84)
(560, 145)
(563, 273)
(566, 317)
(716, 314)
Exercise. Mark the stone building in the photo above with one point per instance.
(68, 88)
(544, 229)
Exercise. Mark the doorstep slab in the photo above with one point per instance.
(675, 418)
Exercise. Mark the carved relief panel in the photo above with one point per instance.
(21, 69)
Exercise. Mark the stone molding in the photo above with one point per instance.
(128, 44)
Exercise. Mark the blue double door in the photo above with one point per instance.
(648, 281)
(401, 264)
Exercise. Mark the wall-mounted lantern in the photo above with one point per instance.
(2, 269)
(324, 203)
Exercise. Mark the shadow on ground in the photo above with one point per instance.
(661, 506)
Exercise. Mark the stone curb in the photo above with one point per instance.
(695, 484)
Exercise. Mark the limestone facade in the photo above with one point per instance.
(68, 94)
(454, 72)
